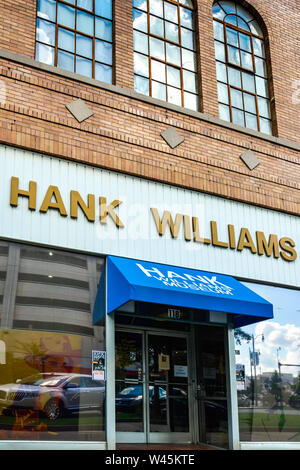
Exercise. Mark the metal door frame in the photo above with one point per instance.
(146, 436)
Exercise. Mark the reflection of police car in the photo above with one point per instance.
(243, 400)
(54, 394)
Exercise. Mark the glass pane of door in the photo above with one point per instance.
(168, 384)
(211, 385)
(129, 382)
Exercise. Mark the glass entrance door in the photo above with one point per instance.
(152, 389)
(130, 386)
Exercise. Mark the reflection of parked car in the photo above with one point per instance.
(243, 400)
(294, 400)
(54, 394)
(131, 397)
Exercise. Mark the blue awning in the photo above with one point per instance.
(143, 281)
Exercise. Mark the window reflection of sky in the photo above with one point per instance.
(281, 335)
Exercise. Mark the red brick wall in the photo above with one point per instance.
(124, 133)
(17, 26)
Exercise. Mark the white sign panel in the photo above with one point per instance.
(98, 365)
(180, 371)
(59, 203)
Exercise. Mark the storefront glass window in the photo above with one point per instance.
(268, 370)
(52, 383)
(211, 386)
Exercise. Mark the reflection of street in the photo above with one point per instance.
(278, 411)
(269, 424)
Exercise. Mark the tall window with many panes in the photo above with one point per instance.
(164, 51)
(243, 89)
(76, 35)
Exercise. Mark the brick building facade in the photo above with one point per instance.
(123, 133)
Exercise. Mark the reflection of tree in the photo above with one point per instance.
(240, 335)
(34, 348)
(276, 390)
(128, 358)
(297, 384)
(32, 353)
(38, 356)
(125, 353)
(25, 360)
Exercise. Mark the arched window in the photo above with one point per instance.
(243, 90)
(164, 51)
(76, 35)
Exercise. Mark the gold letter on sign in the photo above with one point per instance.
(88, 210)
(196, 232)
(214, 235)
(58, 204)
(268, 248)
(286, 244)
(187, 228)
(167, 219)
(109, 210)
(15, 192)
(245, 241)
(231, 235)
